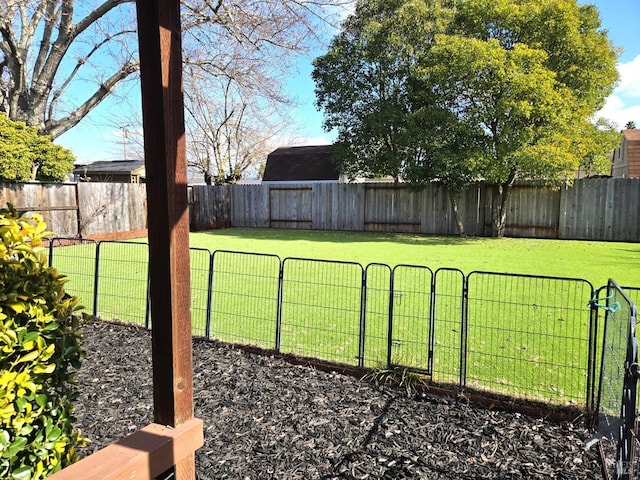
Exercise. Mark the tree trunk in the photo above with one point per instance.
(501, 193)
(453, 198)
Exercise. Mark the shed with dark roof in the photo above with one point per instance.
(626, 158)
(301, 164)
(116, 171)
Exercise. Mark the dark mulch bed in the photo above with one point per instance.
(265, 418)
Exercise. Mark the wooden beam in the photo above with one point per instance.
(46, 208)
(168, 215)
(142, 455)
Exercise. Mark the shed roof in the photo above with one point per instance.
(113, 167)
(306, 163)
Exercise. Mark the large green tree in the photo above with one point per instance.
(363, 85)
(494, 90)
(25, 155)
(387, 124)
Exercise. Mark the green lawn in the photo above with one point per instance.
(593, 261)
(526, 337)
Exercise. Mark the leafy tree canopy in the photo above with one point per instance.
(25, 155)
(462, 90)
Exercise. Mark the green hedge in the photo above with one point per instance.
(40, 351)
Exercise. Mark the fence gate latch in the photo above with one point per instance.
(595, 302)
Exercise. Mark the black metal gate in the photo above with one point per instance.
(618, 379)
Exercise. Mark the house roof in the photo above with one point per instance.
(114, 167)
(307, 163)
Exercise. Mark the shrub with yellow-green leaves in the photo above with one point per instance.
(40, 351)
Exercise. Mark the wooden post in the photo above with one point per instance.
(168, 219)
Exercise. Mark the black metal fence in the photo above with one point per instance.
(518, 335)
(618, 380)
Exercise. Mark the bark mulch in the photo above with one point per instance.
(267, 419)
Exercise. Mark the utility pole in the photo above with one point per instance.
(125, 139)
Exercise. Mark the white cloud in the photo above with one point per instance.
(629, 79)
(624, 103)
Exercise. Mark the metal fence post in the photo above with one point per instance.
(147, 313)
(432, 321)
(51, 242)
(390, 328)
(592, 354)
(363, 309)
(278, 342)
(464, 326)
(96, 277)
(209, 297)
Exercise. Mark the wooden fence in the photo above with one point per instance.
(90, 210)
(591, 209)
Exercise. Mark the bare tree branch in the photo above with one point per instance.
(81, 62)
(51, 18)
(49, 46)
(58, 127)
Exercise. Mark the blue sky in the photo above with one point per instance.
(94, 139)
(619, 17)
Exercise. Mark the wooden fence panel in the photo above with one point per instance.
(83, 209)
(579, 210)
(338, 206)
(55, 201)
(623, 207)
(137, 207)
(591, 209)
(602, 203)
(594, 206)
(566, 225)
(533, 212)
(437, 215)
(209, 207)
(290, 206)
(112, 208)
(601, 209)
(471, 205)
(437, 212)
(249, 205)
(392, 208)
